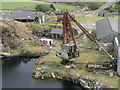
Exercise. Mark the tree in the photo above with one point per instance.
(38, 7)
(94, 5)
(115, 8)
(51, 6)
(43, 8)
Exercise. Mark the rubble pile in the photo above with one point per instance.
(85, 82)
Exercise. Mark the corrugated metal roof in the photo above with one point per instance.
(60, 30)
(20, 14)
(106, 26)
(56, 31)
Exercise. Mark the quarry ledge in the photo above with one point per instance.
(25, 54)
(85, 82)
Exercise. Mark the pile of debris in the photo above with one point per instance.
(85, 82)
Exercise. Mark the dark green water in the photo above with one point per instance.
(17, 73)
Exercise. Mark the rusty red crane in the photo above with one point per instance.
(70, 50)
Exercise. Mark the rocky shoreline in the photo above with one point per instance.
(26, 55)
(85, 82)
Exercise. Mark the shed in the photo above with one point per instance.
(24, 16)
(77, 30)
(107, 29)
(42, 33)
(47, 41)
(103, 13)
(56, 33)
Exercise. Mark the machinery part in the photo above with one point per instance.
(68, 48)
(111, 65)
(89, 36)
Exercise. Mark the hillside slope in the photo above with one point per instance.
(10, 5)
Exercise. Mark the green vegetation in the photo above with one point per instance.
(52, 6)
(113, 7)
(88, 54)
(94, 5)
(65, 7)
(91, 18)
(20, 1)
(34, 48)
(88, 18)
(102, 78)
(24, 4)
(91, 5)
(19, 4)
(43, 8)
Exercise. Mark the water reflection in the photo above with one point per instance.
(17, 73)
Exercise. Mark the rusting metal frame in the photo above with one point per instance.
(90, 36)
(68, 34)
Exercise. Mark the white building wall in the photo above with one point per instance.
(47, 41)
(39, 20)
(118, 64)
(0, 45)
(43, 18)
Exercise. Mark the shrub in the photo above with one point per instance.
(94, 5)
(43, 8)
(51, 6)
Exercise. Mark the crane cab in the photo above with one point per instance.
(69, 51)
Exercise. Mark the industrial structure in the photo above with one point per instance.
(55, 33)
(107, 29)
(108, 34)
(58, 32)
(103, 13)
(69, 49)
(117, 53)
(60, 17)
(47, 41)
(24, 16)
(118, 63)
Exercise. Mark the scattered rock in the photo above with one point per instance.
(85, 82)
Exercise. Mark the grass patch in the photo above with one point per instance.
(65, 7)
(51, 57)
(16, 4)
(102, 78)
(22, 4)
(33, 48)
(90, 18)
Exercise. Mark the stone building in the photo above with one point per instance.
(58, 32)
(103, 13)
(107, 29)
(24, 16)
(47, 41)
